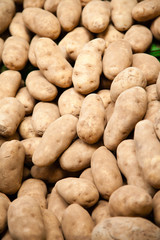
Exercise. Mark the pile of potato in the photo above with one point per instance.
(80, 135)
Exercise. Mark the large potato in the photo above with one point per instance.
(7, 12)
(4, 204)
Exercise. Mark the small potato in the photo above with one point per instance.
(121, 15)
(117, 57)
(26, 99)
(87, 80)
(4, 204)
(111, 34)
(18, 28)
(52, 226)
(51, 5)
(52, 64)
(1, 48)
(26, 129)
(10, 82)
(70, 102)
(15, 53)
(43, 114)
(148, 160)
(11, 168)
(125, 116)
(152, 111)
(69, 16)
(57, 204)
(136, 228)
(87, 174)
(26, 212)
(31, 53)
(146, 10)
(129, 167)
(148, 64)
(105, 96)
(11, 114)
(106, 174)
(73, 42)
(56, 139)
(100, 211)
(77, 216)
(127, 78)
(78, 156)
(36, 189)
(7, 12)
(96, 16)
(46, 90)
(152, 93)
(156, 208)
(90, 125)
(155, 29)
(140, 38)
(35, 3)
(77, 190)
(41, 22)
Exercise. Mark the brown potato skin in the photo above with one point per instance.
(26, 129)
(155, 28)
(156, 208)
(35, 3)
(4, 204)
(100, 211)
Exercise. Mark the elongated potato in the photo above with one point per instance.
(51, 5)
(69, 16)
(89, 60)
(155, 29)
(117, 57)
(15, 53)
(57, 138)
(52, 64)
(122, 14)
(77, 216)
(90, 125)
(20, 213)
(26, 129)
(35, 3)
(4, 204)
(156, 208)
(11, 168)
(78, 190)
(148, 160)
(41, 22)
(96, 16)
(106, 174)
(100, 211)
(125, 116)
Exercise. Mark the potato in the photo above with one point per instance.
(31, 53)
(18, 28)
(96, 16)
(1, 48)
(109, 111)
(35, 3)
(129, 167)
(158, 85)
(26, 173)
(46, 90)
(11, 114)
(70, 102)
(56, 204)
(90, 125)
(87, 174)
(8, 9)
(52, 64)
(51, 6)
(152, 93)
(15, 136)
(146, 10)
(127, 78)
(26, 212)
(152, 111)
(140, 38)
(84, 2)
(111, 34)
(11, 168)
(78, 156)
(148, 64)
(121, 15)
(4, 204)
(41, 22)
(106, 174)
(15, 53)
(69, 16)
(10, 82)
(73, 42)
(136, 228)
(77, 216)
(156, 208)
(26, 129)
(148, 159)
(26, 99)
(78, 190)
(36, 189)
(43, 114)
(155, 28)
(117, 57)
(52, 226)
(56, 139)
(87, 80)
(100, 211)
(105, 96)
(7, 236)
(125, 116)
